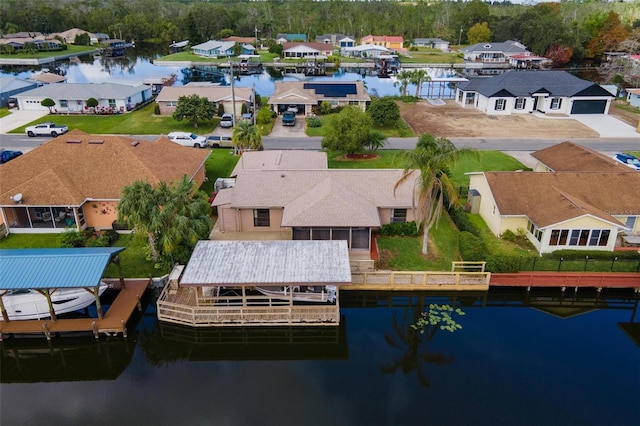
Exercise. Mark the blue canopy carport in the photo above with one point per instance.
(45, 270)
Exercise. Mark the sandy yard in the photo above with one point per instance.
(451, 120)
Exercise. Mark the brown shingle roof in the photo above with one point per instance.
(61, 173)
(550, 198)
(569, 157)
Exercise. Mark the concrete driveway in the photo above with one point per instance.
(607, 125)
(19, 118)
(289, 131)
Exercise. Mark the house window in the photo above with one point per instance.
(520, 103)
(261, 217)
(112, 103)
(537, 234)
(556, 103)
(301, 233)
(340, 234)
(64, 103)
(398, 215)
(500, 104)
(360, 238)
(631, 222)
(321, 234)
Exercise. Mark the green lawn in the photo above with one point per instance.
(401, 131)
(189, 56)
(71, 49)
(431, 56)
(4, 112)
(219, 164)
(485, 161)
(141, 122)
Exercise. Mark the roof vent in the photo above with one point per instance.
(74, 140)
(96, 142)
(135, 143)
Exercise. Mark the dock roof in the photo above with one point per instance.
(238, 263)
(54, 267)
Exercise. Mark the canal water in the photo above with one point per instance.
(518, 359)
(137, 66)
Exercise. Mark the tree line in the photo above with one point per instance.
(569, 30)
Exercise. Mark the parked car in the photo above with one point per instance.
(187, 139)
(219, 141)
(289, 118)
(46, 129)
(628, 160)
(293, 109)
(7, 155)
(226, 120)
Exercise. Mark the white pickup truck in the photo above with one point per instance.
(47, 129)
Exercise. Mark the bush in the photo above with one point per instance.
(471, 247)
(111, 236)
(401, 229)
(384, 112)
(325, 107)
(461, 219)
(508, 235)
(593, 255)
(314, 122)
(503, 263)
(156, 109)
(73, 239)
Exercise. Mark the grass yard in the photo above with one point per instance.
(4, 112)
(141, 122)
(485, 161)
(426, 55)
(71, 49)
(401, 131)
(219, 164)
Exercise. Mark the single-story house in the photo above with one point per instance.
(314, 204)
(49, 78)
(570, 157)
(306, 50)
(559, 210)
(12, 86)
(69, 36)
(390, 42)
(74, 181)
(72, 97)
(519, 92)
(283, 38)
(337, 40)
(178, 46)
(370, 51)
(308, 95)
(38, 43)
(633, 97)
(214, 49)
(493, 52)
(168, 97)
(433, 43)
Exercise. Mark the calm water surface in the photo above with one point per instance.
(541, 360)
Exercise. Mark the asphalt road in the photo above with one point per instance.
(24, 143)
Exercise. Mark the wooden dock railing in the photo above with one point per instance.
(419, 280)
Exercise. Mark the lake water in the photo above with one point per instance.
(137, 65)
(537, 359)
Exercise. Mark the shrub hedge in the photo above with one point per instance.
(403, 229)
(471, 247)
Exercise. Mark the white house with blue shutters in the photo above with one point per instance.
(214, 49)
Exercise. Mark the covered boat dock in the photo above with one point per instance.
(216, 288)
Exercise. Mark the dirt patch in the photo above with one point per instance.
(451, 120)
(629, 117)
(357, 157)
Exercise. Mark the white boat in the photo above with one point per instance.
(304, 293)
(28, 304)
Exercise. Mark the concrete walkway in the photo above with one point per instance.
(607, 125)
(19, 118)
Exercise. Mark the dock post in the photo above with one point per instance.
(124, 329)
(47, 333)
(94, 326)
(139, 304)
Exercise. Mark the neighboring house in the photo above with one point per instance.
(12, 86)
(559, 210)
(214, 49)
(313, 204)
(307, 95)
(69, 36)
(529, 61)
(390, 42)
(493, 52)
(519, 92)
(74, 181)
(570, 157)
(38, 43)
(368, 51)
(633, 97)
(168, 97)
(72, 97)
(337, 40)
(306, 50)
(433, 43)
(283, 38)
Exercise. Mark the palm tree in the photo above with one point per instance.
(432, 159)
(138, 208)
(418, 77)
(246, 136)
(404, 77)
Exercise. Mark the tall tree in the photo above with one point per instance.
(432, 159)
(172, 217)
(479, 33)
(350, 131)
(194, 108)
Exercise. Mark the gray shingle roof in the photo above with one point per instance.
(525, 83)
(509, 47)
(84, 91)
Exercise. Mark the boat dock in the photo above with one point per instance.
(113, 322)
(564, 280)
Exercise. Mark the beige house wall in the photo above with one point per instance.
(100, 214)
(488, 209)
(275, 219)
(540, 167)
(636, 227)
(586, 222)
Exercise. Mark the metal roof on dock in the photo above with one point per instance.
(54, 267)
(268, 262)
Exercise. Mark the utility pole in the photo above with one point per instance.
(233, 92)
(460, 37)
(255, 29)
